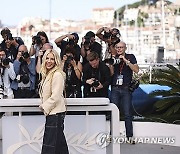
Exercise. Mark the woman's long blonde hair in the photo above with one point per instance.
(58, 67)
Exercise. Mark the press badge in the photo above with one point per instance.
(119, 80)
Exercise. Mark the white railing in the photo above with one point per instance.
(23, 133)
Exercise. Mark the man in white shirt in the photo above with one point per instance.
(6, 75)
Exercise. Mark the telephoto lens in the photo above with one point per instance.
(112, 61)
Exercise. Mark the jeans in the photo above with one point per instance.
(122, 98)
(54, 141)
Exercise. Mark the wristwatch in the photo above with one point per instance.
(128, 62)
(75, 68)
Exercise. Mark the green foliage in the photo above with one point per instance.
(170, 102)
(140, 21)
(145, 79)
(137, 4)
(120, 11)
(142, 15)
(132, 23)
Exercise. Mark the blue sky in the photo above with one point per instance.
(12, 11)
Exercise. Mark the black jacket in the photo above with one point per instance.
(102, 74)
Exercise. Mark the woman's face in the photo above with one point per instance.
(43, 39)
(50, 61)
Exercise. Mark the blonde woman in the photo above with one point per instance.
(53, 104)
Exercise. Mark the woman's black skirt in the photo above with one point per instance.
(54, 141)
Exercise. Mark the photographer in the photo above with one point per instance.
(120, 88)
(37, 43)
(109, 36)
(6, 75)
(24, 84)
(96, 77)
(72, 40)
(10, 44)
(88, 45)
(73, 70)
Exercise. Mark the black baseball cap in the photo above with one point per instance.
(90, 34)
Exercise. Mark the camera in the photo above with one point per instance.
(87, 40)
(107, 35)
(71, 42)
(95, 83)
(115, 33)
(69, 59)
(134, 84)
(25, 55)
(24, 78)
(112, 61)
(4, 61)
(36, 40)
(23, 75)
(43, 52)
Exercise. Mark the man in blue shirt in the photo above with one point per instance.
(24, 66)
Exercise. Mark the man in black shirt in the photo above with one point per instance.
(10, 44)
(88, 45)
(121, 79)
(110, 37)
(96, 77)
(72, 40)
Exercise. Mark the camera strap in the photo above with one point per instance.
(121, 67)
(24, 68)
(2, 73)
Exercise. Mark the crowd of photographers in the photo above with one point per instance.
(87, 73)
(83, 65)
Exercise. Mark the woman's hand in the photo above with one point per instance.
(73, 63)
(40, 107)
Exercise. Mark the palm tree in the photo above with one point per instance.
(170, 101)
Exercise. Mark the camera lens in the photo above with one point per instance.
(134, 84)
(87, 40)
(71, 42)
(6, 61)
(95, 83)
(107, 35)
(24, 78)
(69, 59)
(37, 40)
(25, 55)
(112, 61)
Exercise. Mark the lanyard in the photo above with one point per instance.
(121, 67)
